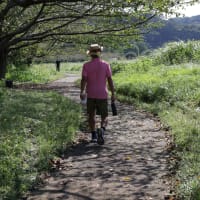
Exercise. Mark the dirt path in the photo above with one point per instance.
(130, 166)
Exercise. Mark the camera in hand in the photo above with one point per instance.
(114, 109)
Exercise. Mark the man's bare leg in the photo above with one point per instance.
(92, 121)
(104, 121)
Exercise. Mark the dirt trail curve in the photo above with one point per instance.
(130, 166)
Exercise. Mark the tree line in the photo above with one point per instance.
(29, 22)
(175, 29)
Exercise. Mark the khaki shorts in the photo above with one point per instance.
(98, 105)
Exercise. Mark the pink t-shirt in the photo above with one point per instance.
(96, 73)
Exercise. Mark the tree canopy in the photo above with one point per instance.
(27, 22)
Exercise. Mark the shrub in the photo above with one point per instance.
(178, 52)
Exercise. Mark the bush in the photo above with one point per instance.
(178, 52)
(117, 67)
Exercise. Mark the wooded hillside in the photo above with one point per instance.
(175, 29)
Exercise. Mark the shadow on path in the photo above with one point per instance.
(130, 166)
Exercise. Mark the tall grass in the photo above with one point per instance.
(173, 93)
(34, 128)
(40, 73)
(178, 52)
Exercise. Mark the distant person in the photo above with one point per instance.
(58, 65)
(95, 74)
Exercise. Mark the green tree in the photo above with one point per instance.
(27, 22)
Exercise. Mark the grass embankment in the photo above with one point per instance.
(34, 128)
(172, 92)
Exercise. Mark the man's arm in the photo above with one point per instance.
(83, 85)
(111, 87)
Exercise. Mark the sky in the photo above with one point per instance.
(190, 11)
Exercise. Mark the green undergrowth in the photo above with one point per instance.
(41, 73)
(178, 52)
(35, 127)
(173, 93)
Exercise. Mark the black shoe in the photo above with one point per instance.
(100, 136)
(94, 136)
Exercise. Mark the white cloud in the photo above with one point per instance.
(191, 10)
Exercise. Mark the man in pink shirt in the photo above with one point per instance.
(95, 74)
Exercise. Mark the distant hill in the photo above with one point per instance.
(175, 29)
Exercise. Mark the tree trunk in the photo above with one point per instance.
(3, 62)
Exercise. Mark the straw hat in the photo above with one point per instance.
(94, 49)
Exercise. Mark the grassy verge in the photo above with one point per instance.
(173, 93)
(41, 73)
(34, 128)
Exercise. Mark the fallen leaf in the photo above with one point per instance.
(127, 158)
(126, 178)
